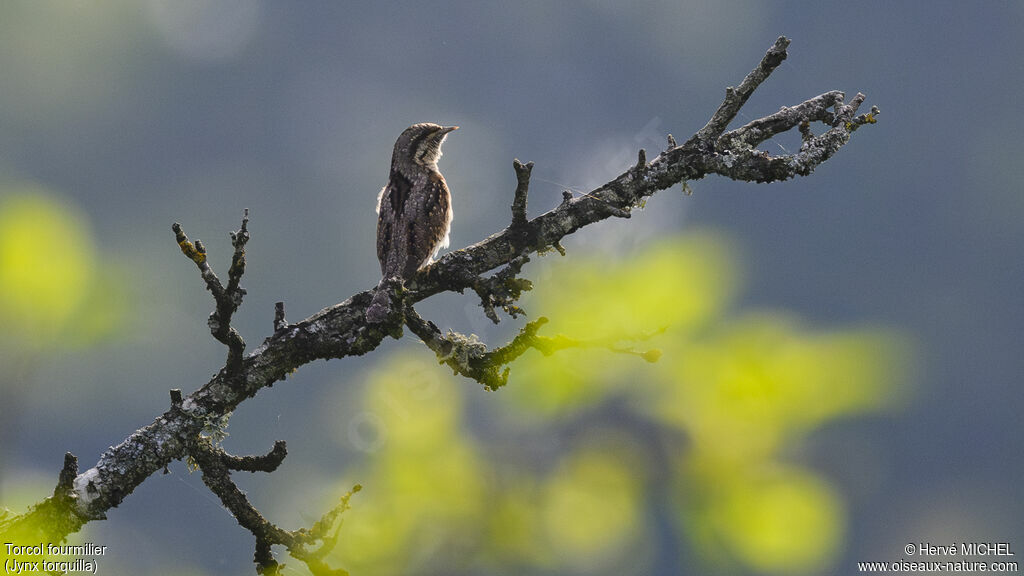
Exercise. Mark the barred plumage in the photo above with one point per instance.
(414, 209)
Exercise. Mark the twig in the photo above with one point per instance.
(216, 466)
(503, 290)
(467, 356)
(341, 330)
(735, 98)
(522, 189)
(280, 323)
(227, 299)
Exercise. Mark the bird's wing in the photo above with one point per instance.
(390, 205)
(430, 232)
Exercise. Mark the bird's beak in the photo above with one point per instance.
(448, 129)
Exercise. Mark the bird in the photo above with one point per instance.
(414, 210)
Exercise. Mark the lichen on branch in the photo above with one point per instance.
(341, 330)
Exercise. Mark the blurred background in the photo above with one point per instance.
(840, 354)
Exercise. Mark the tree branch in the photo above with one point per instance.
(227, 299)
(522, 188)
(216, 465)
(735, 98)
(469, 357)
(341, 330)
(503, 289)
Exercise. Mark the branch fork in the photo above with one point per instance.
(341, 330)
(227, 299)
(217, 465)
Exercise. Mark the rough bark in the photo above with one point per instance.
(188, 429)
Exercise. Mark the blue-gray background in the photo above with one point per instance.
(152, 112)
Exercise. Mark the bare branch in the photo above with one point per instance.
(266, 463)
(216, 466)
(238, 241)
(342, 330)
(467, 356)
(522, 189)
(735, 98)
(746, 163)
(757, 131)
(227, 299)
(197, 253)
(503, 290)
(280, 323)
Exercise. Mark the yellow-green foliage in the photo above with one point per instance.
(558, 487)
(53, 288)
(55, 293)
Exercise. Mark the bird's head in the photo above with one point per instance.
(419, 145)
